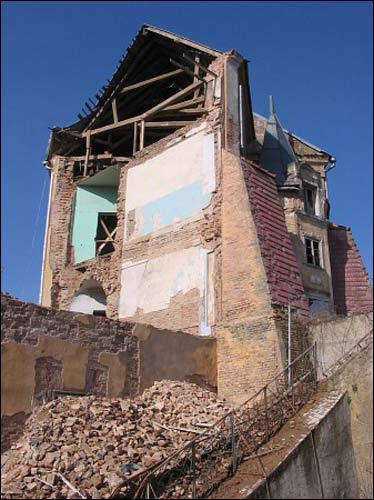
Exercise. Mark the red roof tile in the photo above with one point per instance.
(277, 251)
(350, 282)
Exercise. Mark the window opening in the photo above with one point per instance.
(310, 194)
(313, 252)
(105, 233)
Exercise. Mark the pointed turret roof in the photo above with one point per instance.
(277, 155)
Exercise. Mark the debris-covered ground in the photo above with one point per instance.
(94, 443)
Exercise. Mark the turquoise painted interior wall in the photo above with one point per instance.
(89, 201)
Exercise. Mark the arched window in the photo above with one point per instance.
(89, 299)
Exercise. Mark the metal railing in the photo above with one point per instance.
(194, 470)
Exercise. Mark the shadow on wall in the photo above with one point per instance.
(339, 248)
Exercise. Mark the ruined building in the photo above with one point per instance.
(173, 204)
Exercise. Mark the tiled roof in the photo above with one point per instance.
(277, 251)
(350, 282)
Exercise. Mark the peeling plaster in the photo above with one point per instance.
(175, 185)
(150, 285)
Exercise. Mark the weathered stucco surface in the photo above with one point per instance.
(312, 457)
(95, 355)
(337, 340)
(337, 336)
(176, 356)
(172, 186)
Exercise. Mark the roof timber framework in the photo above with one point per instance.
(159, 86)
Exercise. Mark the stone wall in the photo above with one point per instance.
(44, 350)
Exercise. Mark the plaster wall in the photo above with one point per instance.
(175, 356)
(88, 202)
(337, 336)
(337, 339)
(170, 187)
(151, 285)
(321, 465)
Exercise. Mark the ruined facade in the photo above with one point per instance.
(173, 204)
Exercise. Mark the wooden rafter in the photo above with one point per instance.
(185, 104)
(114, 110)
(172, 124)
(170, 100)
(198, 63)
(186, 70)
(151, 80)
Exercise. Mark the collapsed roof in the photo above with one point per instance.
(157, 65)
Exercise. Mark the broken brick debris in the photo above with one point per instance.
(96, 443)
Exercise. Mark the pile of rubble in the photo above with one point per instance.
(85, 447)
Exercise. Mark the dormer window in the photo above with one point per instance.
(310, 196)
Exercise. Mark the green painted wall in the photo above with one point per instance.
(89, 201)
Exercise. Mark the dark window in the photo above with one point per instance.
(310, 194)
(312, 252)
(105, 233)
(99, 312)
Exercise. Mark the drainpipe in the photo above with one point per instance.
(241, 131)
(46, 164)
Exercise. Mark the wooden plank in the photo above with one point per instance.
(114, 110)
(158, 78)
(167, 124)
(172, 99)
(187, 70)
(113, 126)
(187, 103)
(196, 73)
(88, 151)
(142, 130)
(192, 111)
(201, 66)
(152, 111)
(134, 145)
(103, 156)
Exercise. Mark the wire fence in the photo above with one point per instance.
(197, 468)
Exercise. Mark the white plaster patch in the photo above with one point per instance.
(150, 285)
(174, 168)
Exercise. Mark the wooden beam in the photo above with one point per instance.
(88, 152)
(134, 144)
(113, 126)
(187, 70)
(151, 80)
(105, 105)
(198, 63)
(150, 112)
(114, 110)
(176, 112)
(172, 99)
(185, 104)
(174, 124)
(196, 73)
(142, 130)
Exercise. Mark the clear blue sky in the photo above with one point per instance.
(314, 57)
